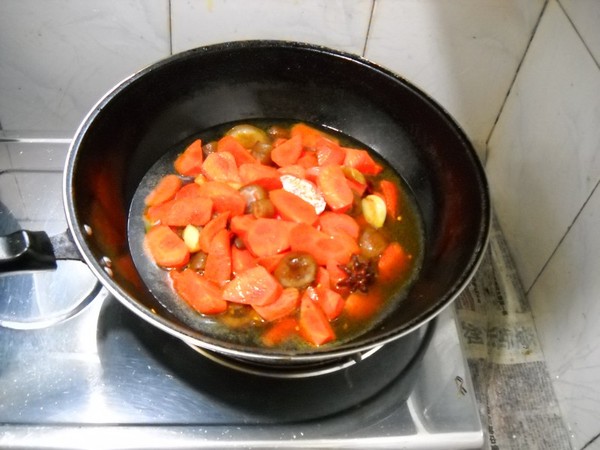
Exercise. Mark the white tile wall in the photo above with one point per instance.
(464, 53)
(340, 24)
(544, 169)
(585, 15)
(543, 157)
(58, 57)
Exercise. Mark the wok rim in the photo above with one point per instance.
(195, 338)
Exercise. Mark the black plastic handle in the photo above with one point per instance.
(26, 251)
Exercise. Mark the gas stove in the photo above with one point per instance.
(104, 378)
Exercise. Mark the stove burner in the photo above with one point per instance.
(304, 370)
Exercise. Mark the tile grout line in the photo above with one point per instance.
(512, 84)
(364, 50)
(596, 186)
(563, 237)
(170, 26)
(587, 48)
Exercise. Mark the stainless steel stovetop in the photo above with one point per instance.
(106, 379)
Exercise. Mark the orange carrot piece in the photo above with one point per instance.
(241, 259)
(331, 302)
(200, 293)
(314, 326)
(293, 208)
(286, 303)
(167, 249)
(164, 191)
(329, 153)
(287, 152)
(230, 145)
(389, 190)
(338, 248)
(189, 163)
(209, 231)
(271, 262)
(336, 191)
(324, 248)
(180, 212)
(361, 160)
(309, 134)
(221, 166)
(304, 238)
(266, 237)
(240, 224)
(254, 286)
(361, 306)
(336, 274)
(224, 197)
(293, 169)
(393, 261)
(218, 260)
(188, 191)
(308, 159)
(280, 331)
(332, 223)
(265, 176)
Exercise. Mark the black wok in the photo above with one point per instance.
(166, 103)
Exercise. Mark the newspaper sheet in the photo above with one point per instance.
(518, 406)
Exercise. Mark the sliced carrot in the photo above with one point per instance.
(361, 306)
(265, 176)
(209, 231)
(324, 248)
(200, 293)
(329, 153)
(361, 160)
(241, 259)
(389, 190)
(271, 262)
(180, 212)
(224, 197)
(314, 326)
(286, 303)
(323, 280)
(309, 134)
(393, 262)
(167, 249)
(338, 248)
(308, 159)
(336, 274)
(218, 260)
(240, 224)
(304, 238)
(189, 163)
(287, 152)
(280, 331)
(331, 302)
(230, 145)
(293, 169)
(221, 166)
(164, 191)
(254, 286)
(266, 237)
(332, 223)
(293, 208)
(336, 191)
(188, 191)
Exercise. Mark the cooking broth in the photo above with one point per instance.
(243, 324)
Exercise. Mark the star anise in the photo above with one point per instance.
(360, 274)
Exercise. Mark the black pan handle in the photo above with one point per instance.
(26, 251)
